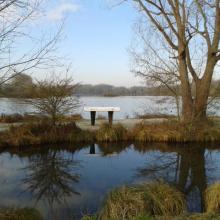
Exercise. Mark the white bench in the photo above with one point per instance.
(93, 111)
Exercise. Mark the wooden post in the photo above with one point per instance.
(110, 117)
(93, 113)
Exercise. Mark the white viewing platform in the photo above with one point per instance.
(93, 111)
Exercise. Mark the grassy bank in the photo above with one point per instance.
(169, 131)
(29, 118)
(42, 132)
(155, 201)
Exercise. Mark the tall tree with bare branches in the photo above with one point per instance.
(191, 30)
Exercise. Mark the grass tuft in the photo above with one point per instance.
(111, 133)
(148, 199)
(212, 198)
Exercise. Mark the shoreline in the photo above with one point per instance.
(157, 130)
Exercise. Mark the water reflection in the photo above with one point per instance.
(50, 176)
(186, 167)
(70, 182)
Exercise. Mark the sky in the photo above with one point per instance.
(96, 40)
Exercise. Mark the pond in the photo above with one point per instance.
(65, 182)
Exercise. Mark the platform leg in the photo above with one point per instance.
(92, 149)
(93, 113)
(110, 117)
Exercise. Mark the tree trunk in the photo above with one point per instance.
(202, 93)
(201, 101)
(187, 101)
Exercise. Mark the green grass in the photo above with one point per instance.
(20, 214)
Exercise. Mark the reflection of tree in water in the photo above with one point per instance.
(50, 177)
(184, 167)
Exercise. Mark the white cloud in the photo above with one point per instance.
(59, 12)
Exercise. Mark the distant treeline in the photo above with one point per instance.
(110, 91)
(20, 87)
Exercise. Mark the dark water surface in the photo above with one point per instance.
(65, 182)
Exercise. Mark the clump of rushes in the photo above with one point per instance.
(145, 200)
(20, 214)
(212, 198)
(111, 133)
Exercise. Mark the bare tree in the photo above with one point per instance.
(54, 97)
(191, 29)
(149, 63)
(20, 50)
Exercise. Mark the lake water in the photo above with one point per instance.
(65, 182)
(130, 105)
